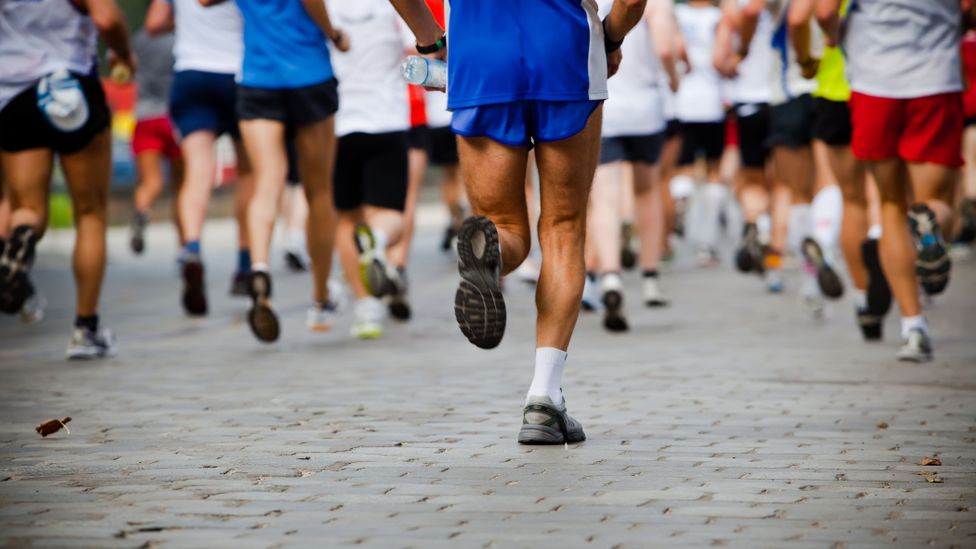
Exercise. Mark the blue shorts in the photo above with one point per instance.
(522, 123)
(204, 101)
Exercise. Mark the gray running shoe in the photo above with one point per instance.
(87, 344)
(917, 347)
(932, 264)
(544, 423)
(479, 306)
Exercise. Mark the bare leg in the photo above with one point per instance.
(316, 146)
(935, 185)
(566, 171)
(348, 254)
(604, 225)
(854, 228)
(650, 214)
(194, 197)
(897, 249)
(753, 193)
(88, 172)
(417, 162)
(264, 140)
(669, 162)
(242, 198)
(28, 177)
(176, 171)
(149, 166)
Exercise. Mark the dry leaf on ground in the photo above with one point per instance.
(933, 461)
(882, 425)
(934, 479)
(52, 426)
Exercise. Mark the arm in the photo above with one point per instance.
(624, 15)
(724, 53)
(108, 19)
(749, 21)
(418, 17)
(828, 17)
(316, 10)
(663, 30)
(159, 17)
(798, 20)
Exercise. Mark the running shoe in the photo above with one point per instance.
(239, 284)
(372, 263)
(137, 232)
(15, 263)
(261, 318)
(194, 288)
(545, 423)
(399, 304)
(478, 304)
(32, 311)
(591, 297)
(450, 233)
(653, 296)
(86, 343)
(680, 208)
(917, 347)
(932, 263)
(295, 262)
(368, 319)
(613, 303)
(827, 278)
(967, 222)
(871, 324)
(707, 257)
(320, 317)
(749, 257)
(774, 281)
(628, 257)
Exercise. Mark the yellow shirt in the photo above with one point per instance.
(831, 81)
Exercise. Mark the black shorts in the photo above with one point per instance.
(753, 124)
(969, 121)
(707, 138)
(371, 170)
(833, 122)
(292, 179)
(23, 126)
(791, 124)
(293, 107)
(672, 129)
(632, 148)
(418, 138)
(443, 147)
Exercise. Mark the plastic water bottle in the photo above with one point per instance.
(430, 73)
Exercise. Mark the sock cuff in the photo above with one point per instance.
(550, 354)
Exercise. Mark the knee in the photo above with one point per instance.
(90, 205)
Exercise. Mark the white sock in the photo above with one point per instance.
(712, 195)
(548, 378)
(764, 224)
(682, 186)
(860, 299)
(826, 211)
(295, 239)
(259, 267)
(909, 323)
(874, 232)
(799, 226)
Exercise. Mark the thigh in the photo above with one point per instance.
(877, 123)
(315, 145)
(88, 173)
(385, 174)
(264, 141)
(566, 172)
(311, 104)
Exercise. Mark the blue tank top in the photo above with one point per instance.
(502, 51)
(283, 47)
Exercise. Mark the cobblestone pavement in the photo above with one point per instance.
(730, 418)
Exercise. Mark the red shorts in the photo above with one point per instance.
(922, 129)
(155, 135)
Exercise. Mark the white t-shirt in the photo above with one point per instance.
(752, 83)
(904, 48)
(785, 79)
(39, 37)
(635, 106)
(208, 39)
(437, 114)
(699, 97)
(372, 91)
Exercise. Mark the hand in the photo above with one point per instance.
(809, 68)
(340, 40)
(613, 62)
(122, 69)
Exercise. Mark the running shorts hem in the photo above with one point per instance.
(752, 122)
(155, 134)
(443, 147)
(523, 123)
(833, 122)
(923, 129)
(791, 123)
(203, 101)
(293, 107)
(371, 170)
(632, 148)
(707, 138)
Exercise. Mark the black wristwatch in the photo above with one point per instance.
(610, 45)
(437, 46)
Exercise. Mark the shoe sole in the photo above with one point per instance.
(194, 296)
(15, 285)
(261, 318)
(628, 259)
(828, 280)
(295, 263)
(372, 271)
(879, 292)
(399, 310)
(916, 358)
(545, 435)
(613, 317)
(871, 327)
(932, 264)
(479, 306)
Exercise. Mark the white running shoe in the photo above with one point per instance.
(321, 317)
(917, 347)
(653, 296)
(32, 311)
(368, 318)
(591, 295)
(87, 344)
(774, 281)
